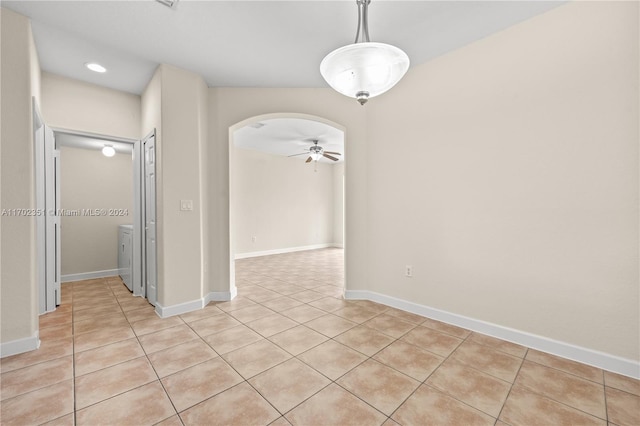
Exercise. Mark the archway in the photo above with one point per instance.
(266, 218)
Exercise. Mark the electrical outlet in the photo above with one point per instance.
(253, 239)
(408, 271)
(186, 205)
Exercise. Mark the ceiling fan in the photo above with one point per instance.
(316, 152)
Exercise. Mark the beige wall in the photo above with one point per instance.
(281, 201)
(75, 105)
(511, 184)
(89, 180)
(19, 80)
(229, 106)
(181, 129)
(180, 267)
(151, 106)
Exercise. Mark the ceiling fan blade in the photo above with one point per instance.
(329, 157)
(295, 155)
(331, 152)
(309, 160)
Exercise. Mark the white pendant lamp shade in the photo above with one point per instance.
(364, 70)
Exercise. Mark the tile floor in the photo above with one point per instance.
(289, 350)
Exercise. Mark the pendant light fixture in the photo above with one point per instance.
(364, 69)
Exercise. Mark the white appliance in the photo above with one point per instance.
(125, 235)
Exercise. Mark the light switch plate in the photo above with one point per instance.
(186, 205)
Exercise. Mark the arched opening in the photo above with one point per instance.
(286, 204)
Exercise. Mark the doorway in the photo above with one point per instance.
(285, 195)
(93, 208)
(96, 199)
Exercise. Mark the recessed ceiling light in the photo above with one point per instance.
(95, 67)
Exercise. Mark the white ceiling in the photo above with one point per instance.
(290, 136)
(247, 43)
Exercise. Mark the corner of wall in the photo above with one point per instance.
(20, 80)
(179, 114)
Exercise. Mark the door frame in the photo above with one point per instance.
(47, 182)
(143, 217)
(137, 242)
(46, 293)
(138, 178)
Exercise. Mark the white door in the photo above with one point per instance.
(41, 218)
(51, 282)
(47, 219)
(150, 218)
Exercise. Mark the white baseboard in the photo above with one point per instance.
(19, 346)
(179, 309)
(626, 367)
(284, 250)
(194, 305)
(89, 275)
(220, 296)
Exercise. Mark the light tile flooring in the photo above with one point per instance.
(288, 349)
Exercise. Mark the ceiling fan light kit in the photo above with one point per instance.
(316, 152)
(363, 70)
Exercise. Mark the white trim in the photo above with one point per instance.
(220, 296)
(41, 248)
(90, 275)
(194, 305)
(179, 309)
(92, 135)
(626, 367)
(19, 346)
(138, 225)
(284, 250)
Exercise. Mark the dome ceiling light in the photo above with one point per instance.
(364, 69)
(108, 151)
